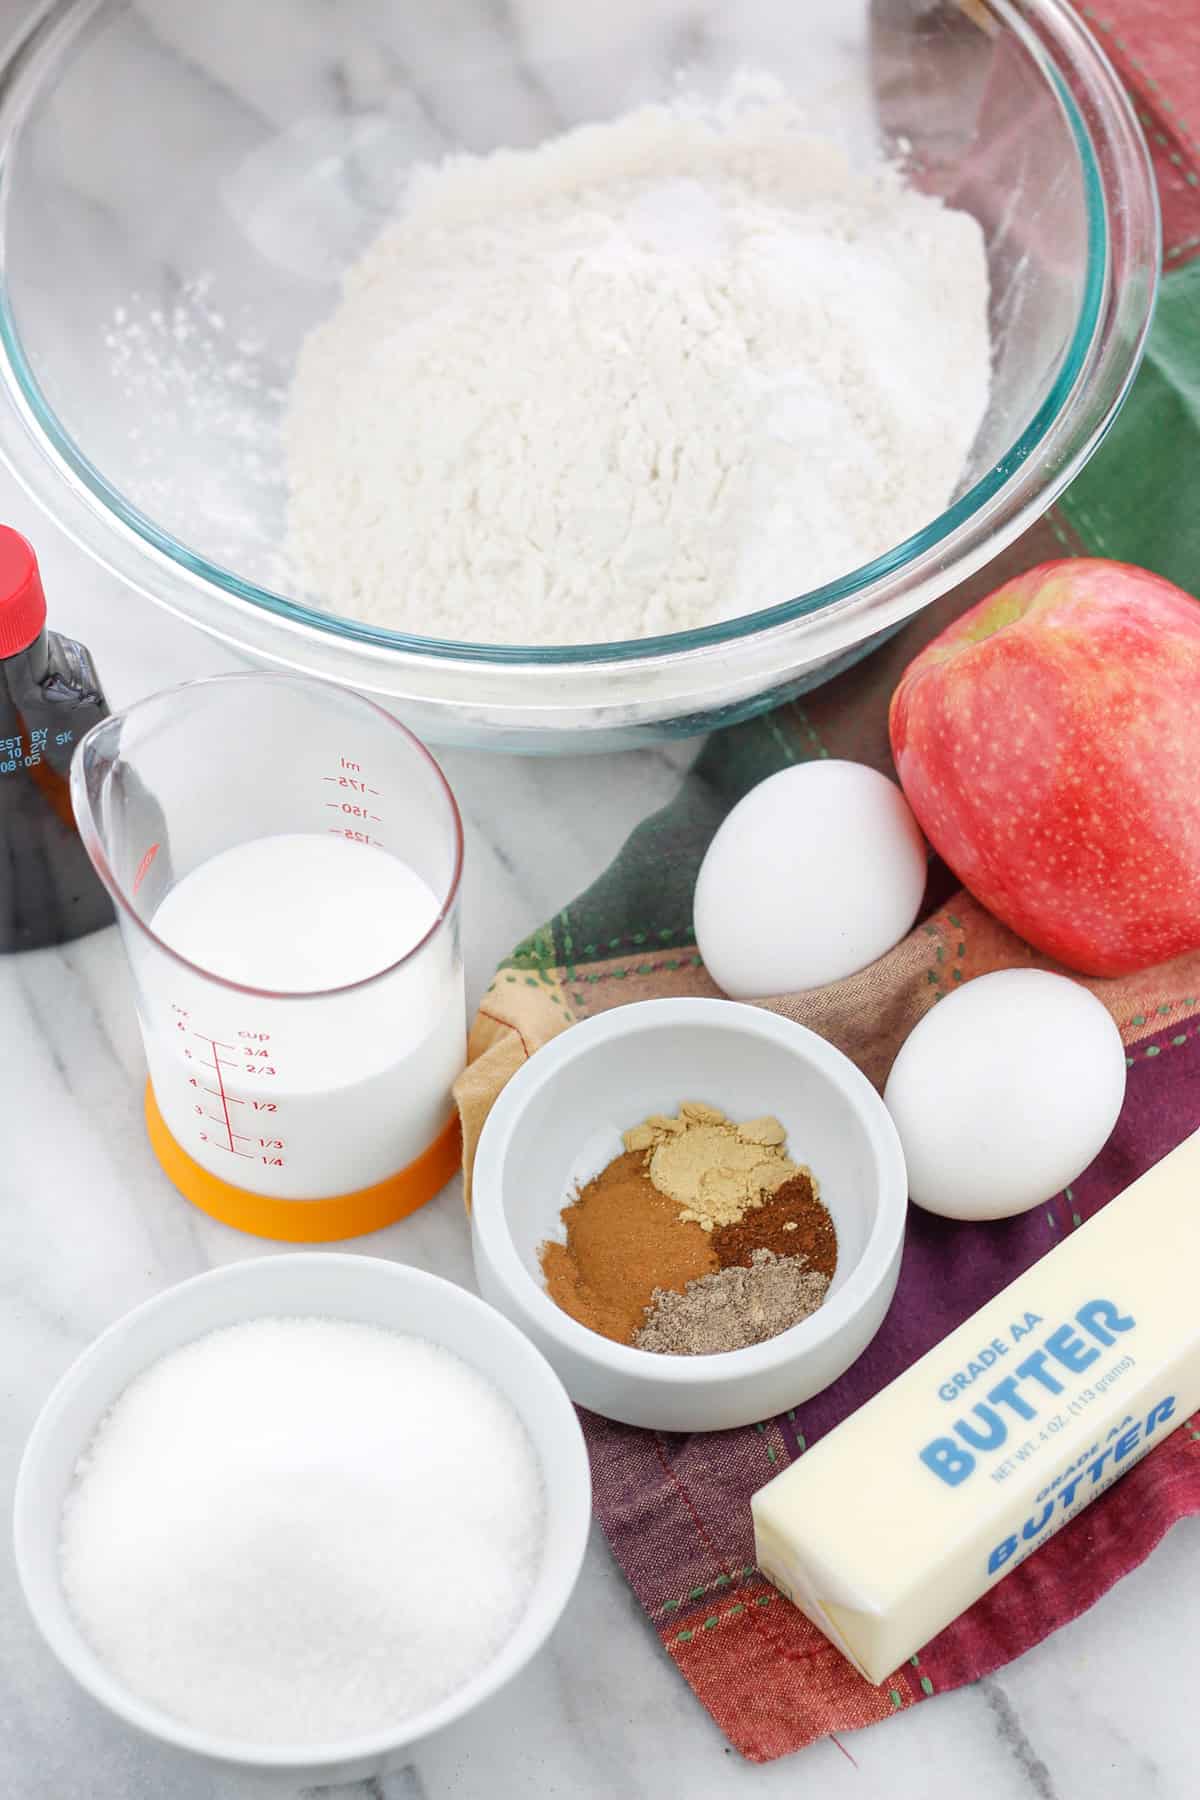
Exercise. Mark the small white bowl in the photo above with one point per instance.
(559, 1122)
(369, 1291)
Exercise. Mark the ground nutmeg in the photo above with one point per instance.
(733, 1308)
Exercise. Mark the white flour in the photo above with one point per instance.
(652, 374)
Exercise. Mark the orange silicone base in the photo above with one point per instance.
(306, 1221)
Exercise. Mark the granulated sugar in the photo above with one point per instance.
(298, 1530)
(655, 373)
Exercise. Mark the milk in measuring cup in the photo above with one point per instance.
(295, 1091)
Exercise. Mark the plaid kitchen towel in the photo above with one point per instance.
(676, 1508)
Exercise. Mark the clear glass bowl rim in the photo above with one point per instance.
(64, 21)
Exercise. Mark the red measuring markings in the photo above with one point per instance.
(262, 1149)
(143, 868)
(354, 812)
(353, 780)
(356, 837)
(356, 785)
(219, 1062)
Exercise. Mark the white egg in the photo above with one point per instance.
(815, 873)
(1005, 1092)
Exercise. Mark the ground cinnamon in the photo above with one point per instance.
(790, 1222)
(624, 1240)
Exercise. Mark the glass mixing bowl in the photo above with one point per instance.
(183, 186)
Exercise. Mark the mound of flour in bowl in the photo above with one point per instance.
(652, 374)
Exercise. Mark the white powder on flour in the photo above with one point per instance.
(655, 373)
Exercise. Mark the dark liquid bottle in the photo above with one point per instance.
(49, 697)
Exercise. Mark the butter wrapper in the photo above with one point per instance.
(899, 1519)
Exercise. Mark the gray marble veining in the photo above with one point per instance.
(89, 1227)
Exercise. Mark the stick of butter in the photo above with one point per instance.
(913, 1507)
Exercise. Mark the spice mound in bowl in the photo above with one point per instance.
(563, 1138)
(702, 1236)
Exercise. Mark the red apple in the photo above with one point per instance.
(1049, 743)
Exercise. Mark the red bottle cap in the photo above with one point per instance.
(22, 601)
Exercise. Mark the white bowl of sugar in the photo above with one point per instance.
(300, 1512)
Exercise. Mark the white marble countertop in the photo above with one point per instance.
(90, 1226)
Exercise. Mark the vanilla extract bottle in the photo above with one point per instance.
(50, 696)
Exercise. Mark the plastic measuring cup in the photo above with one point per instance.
(299, 1115)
